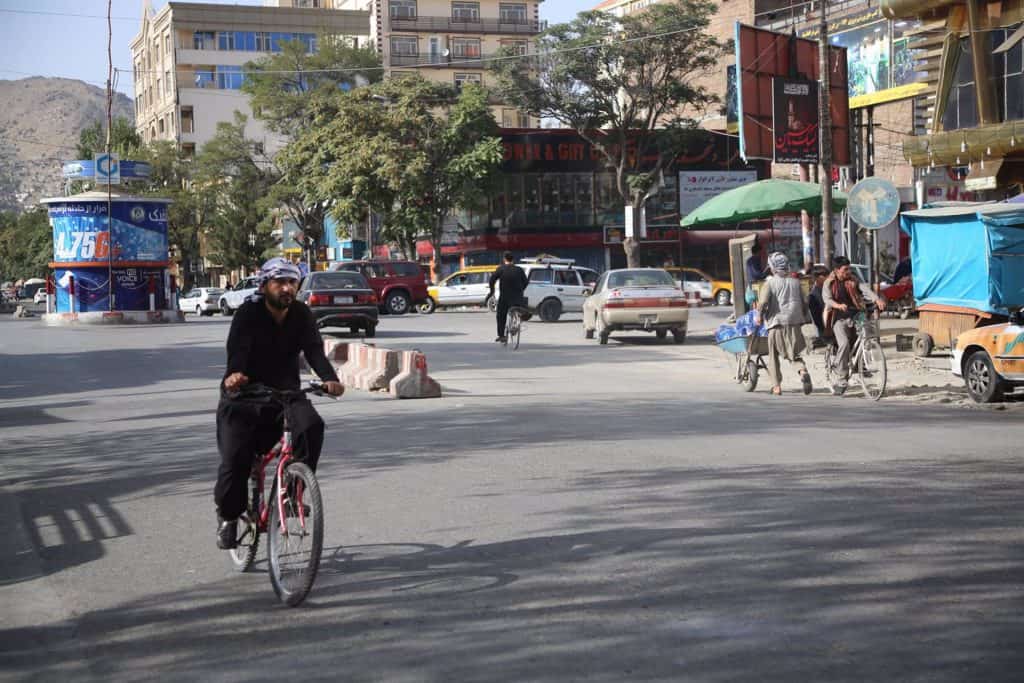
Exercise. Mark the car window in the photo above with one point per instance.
(640, 278)
(589, 277)
(540, 275)
(566, 277)
(348, 268)
(337, 280)
(213, 291)
(192, 294)
(376, 270)
(406, 269)
(479, 278)
(600, 283)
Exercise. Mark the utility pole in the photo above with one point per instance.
(825, 136)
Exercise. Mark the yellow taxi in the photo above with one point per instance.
(991, 359)
(467, 287)
(696, 280)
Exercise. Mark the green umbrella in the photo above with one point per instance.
(762, 199)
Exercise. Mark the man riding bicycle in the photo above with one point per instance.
(513, 282)
(845, 296)
(267, 334)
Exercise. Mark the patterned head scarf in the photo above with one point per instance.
(279, 268)
(779, 264)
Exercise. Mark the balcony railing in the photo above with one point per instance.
(440, 61)
(460, 25)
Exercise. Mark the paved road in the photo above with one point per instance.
(568, 512)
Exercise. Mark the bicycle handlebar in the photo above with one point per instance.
(257, 390)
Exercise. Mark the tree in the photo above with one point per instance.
(285, 88)
(124, 141)
(229, 184)
(409, 149)
(630, 86)
(26, 244)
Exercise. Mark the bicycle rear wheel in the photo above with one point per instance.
(244, 552)
(515, 329)
(294, 551)
(871, 369)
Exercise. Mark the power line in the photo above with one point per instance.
(66, 14)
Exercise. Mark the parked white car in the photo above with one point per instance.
(556, 286)
(200, 300)
(40, 296)
(233, 297)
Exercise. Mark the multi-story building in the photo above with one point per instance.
(450, 41)
(188, 61)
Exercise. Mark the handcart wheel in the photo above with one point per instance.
(923, 345)
(750, 377)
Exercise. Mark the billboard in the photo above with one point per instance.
(696, 187)
(81, 235)
(795, 121)
(762, 56)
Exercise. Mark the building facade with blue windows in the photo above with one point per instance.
(189, 62)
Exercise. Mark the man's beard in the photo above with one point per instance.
(281, 302)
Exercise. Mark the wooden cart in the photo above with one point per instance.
(939, 325)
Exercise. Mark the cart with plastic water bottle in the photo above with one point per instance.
(747, 342)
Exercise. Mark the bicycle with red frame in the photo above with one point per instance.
(293, 515)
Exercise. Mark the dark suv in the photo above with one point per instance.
(340, 300)
(399, 285)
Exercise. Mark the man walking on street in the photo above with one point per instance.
(782, 307)
(845, 296)
(513, 282)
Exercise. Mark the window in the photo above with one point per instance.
(405, 45)
(540, 276)
(406, 269)
(188, 150)
(204, 79)
(262, 42)
(516, 47)
(229, 77)
(159, 88)
(257, 147)
(167, 83)
(466, 11)
(566, 277)
(337, 280)
(465, 47)
(160, 126)
(187, 120)
(204, 40)
(226, 40)
(508, 118)
(402, 9)
(512, 13)
(465, 79)
(167, 43)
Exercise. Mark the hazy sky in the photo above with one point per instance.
(68, 38)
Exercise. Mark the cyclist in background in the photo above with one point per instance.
(513, 282)
(845, 296)
(267, 333)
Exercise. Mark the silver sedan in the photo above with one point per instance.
(646, 299)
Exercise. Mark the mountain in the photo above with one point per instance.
(40, 119)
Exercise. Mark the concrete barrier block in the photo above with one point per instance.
(413, 381)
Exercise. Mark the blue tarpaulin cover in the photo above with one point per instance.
(968, 256)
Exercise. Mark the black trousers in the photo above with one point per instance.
(503, 306)
(245, 431)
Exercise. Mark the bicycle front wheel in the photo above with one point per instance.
(871, 369)
(295, 543)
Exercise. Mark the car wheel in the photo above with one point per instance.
(661, 334)
(224, 308)
(983, 384)
(550, 311)
(371, 331)
(491, 304)
(428, 306)
(723, 297)
(679, 336)
(397, 303)
(923, 345)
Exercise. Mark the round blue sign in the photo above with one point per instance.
(873, 203)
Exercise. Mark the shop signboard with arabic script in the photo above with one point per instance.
(696, 187)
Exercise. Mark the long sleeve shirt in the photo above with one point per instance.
(512, 280)
(268, 353)
(831, 301)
